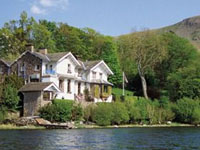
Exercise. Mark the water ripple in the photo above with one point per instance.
(102, 139)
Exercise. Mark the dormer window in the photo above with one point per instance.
(69, 68)
(94, 74)
(37, 67)
(101, 76)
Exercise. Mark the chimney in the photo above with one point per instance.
(78, 57)
(30, 47)
(43, 51)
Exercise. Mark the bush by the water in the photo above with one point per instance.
(140, 111)
(110, 113)
(103, 114)
(61, 111)
(188, 111)
(133, 111)
(3, 113)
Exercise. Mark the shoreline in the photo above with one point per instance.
(84, 126)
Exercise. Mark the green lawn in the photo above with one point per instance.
(118, 92)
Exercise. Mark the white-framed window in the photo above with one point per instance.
(51, 67)
(101, 75)
(46, 66)
(94, 75)
(37, 67)
(22, 68)
(69, 68)
(79, 73)
(69, 86)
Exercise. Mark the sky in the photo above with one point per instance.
(109, 17)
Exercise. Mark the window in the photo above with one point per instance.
(22, 67)
(94, 75)
(105, 89)
(69, 86)
(79, 73)
(1, 69)
(47, 96)
(37, 67)
(46, 67)
(61, 85)
(51, 67)
(101, 76)
(69, 68)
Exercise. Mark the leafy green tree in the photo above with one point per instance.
(145, 49)
(9, 43)
(10, 97)
(109, 55)
(42, 37)
(185, 82)
(181, 53)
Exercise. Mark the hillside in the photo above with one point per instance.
(188, 28)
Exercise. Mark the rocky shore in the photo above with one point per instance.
(39, 123)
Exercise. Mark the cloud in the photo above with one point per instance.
(44, 6)
(36, 10)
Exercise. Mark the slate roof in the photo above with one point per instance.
(34, 87)
(98, 81)
(56, 56)
(90, 64)
(41, 56)
(6, 62)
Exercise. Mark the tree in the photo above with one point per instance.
(42, 37)
(10, 97)
(181, 53)
(146, 49)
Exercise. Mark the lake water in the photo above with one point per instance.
(184, 138)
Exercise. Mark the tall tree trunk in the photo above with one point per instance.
(144, 86)
(143, 81)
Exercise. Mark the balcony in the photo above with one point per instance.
(50, 72)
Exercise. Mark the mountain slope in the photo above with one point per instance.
(188, 28)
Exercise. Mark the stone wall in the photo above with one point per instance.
(32, 103)
(29, 61)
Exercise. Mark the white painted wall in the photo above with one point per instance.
(53, 79)
(62, 66)
(99, 69)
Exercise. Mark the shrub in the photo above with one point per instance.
(185, 110)
(49, 112)
(103, 114)
(3, 113)
(89, 112)
(10, 97)
(196, 116)
(59, 111)
(141, 104)
(77, 112)
(13, 80)
(120, 113)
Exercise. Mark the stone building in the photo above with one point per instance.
(75, 79)
(36, 95)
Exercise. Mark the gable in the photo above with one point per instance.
(71, 57)
(103, 66)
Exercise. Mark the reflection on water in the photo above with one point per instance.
(102, 139)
